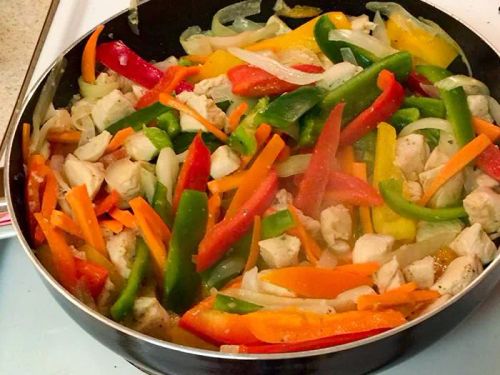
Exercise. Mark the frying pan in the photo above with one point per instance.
(161, 23)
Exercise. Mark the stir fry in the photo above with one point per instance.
(274, 189)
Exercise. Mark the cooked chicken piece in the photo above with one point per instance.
(458, 275)
(389, 276)
(421, 272)
(412, 152)
(205, 107)
(474, 241)
(336, 224)
(95, 148)
(223, 162)
(372, 248)
(482, 206)
(124, 176)
(280, 251)
(111, 108)
(139, 147)
(80, 172)
(121, 250)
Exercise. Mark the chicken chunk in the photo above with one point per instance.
(449, 194)
(479, 106)
(280, 251)
(421, 272)
(436, 159)
(412, 152)
(110, 109)
(389, 276)
(475, 178)
(372, 248)
(223, 162)
(459, 274)
(336, 224)
(205, 107)
(210, 86)
(474, 241)
(427, 229)
(151, 318)
(80, 172)
(139, 147)
(120, 248)
(482, 206)
(413, 190)
(124, 176)
(95, 148)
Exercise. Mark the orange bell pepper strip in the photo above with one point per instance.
(214, 203)
(113, 225)
(253, 255)
(26, 142)
(365, 269)
(88, 56)
(81, 204)
(61, 254)
(311, 247)
(346, 159)
(119, 139)
(226, 183)
(107, 204)
(256, 174)
(313, 185)
(294, 326)
(66, 137)
(62, 221)
(235, 116)
(315, 282)
(456, 163)
(139, 205)
(490, 130)
(124, 217)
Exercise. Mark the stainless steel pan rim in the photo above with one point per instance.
(492, 267)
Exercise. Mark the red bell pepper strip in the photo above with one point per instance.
(307, 345)
(120, 58)
(251, 81)
(344, 188)
(183, 86)
(313, 185)
(174, 76)
(195, 170)
(415, 81)
(382, 108)
(219, 239)
(489, 162)
(94, 275)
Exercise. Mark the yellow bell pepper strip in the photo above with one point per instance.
(385, 220)
(359, 171)
(302, 36)
(216, 64)
(88, 56)
(457, 162)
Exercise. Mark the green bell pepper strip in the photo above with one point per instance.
(184, 61)
(159, 138)
(125, 302)
(183, 140)
(276, 224)
(243, 138)
(139, 118)
(358, 93)
(428, 107)
(182, 282)
(234, 305)
(433, 73)
(403, 117)
(458, 114)
(169, 122)
(364, 150)
(161, 204)
(392, 192)
(332, 49)
(285, 110)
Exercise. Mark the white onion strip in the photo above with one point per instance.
(273, 67)
(471, 85)
(295, 164)
(362, 40)
(426, 123)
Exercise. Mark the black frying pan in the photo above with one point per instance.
(161, 23)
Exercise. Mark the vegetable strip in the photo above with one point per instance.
(359, 171)
(124, 217)
(157, 224)
(226, 183)
(119, 139)
(488, 129)
(235, 116)
(311, 248)
(107, 204)
(69, 136)
(113, 225)
(26, 142)
(253, 256)
(213, 210)
(88, 56)
(62, 221)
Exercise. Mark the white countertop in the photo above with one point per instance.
(38, 338)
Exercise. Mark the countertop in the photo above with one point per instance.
(38, 338)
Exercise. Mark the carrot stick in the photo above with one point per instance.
(119, 139)
(315, 282)
(253, 255)
(88, 56)
(256, 174)
(69, 136)
(26, 142)
(235, 116)
(61, 254)
(311, 247)
(81, 204)
(213, 210)
(113, 225)
(490, 130)
(170, 101)
(261, 135)
(359, 171)
(226, 183)
(125, 217)
(49, 199)
(182, 73)
(405, 294)
(108, 203)
(62, 221)
(365, 269)
(457, 162)
(161, 229)
(346, 159)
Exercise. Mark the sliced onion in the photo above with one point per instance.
(45, 100)
(273, 67)
(471, 85)
(231, 13)
(295, 164)
(133, 17)
(426, 123)
(407, 254)
(360, 39)
(298, 11)
(430, 90)
(338, 74)
(241, 24)
(96, 90)
(348, 56)
(380, 32)
(494, 108)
